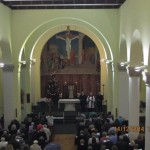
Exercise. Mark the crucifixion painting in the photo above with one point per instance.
(68, 37)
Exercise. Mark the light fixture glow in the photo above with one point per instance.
(107, 61)
(124, 63)
(22, 62)
(33, 60)
(140, 68)
(1, 65)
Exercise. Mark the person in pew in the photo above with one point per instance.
(35, 146)
(82, 145)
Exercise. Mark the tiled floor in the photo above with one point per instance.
(66, 141)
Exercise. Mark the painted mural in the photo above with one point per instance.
(74, 58)
(63, 50)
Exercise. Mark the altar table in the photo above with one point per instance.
(69, 104)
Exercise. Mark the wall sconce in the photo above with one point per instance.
(140, 68)
(123, 63)
(107, 61)
(33, 60)
(1, 65)
(22, 62)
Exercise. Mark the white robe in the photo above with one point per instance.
(90, 101)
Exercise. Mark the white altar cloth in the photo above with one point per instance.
(69, 104)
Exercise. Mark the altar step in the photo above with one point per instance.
(65, 117)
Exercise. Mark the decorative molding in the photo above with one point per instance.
(8, 68)
(132, 73)
(122, 68)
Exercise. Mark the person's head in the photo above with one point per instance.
(82, 142)
(2, 139)
(35, 142)
(114, 147)
(81, 132)
(104, 134)
(32, 123)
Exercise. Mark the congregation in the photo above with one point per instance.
(99, 132)
(36, 132)
(94, 132)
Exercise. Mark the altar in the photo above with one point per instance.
(69, 104)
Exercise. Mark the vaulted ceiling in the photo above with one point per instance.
(63, 4)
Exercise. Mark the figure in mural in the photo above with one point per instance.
(68, 37)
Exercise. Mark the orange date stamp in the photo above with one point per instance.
(131, 129)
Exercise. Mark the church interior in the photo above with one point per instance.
(65, 65)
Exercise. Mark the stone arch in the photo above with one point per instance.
(123, 50)
(36, 40)
(136, 52)
(79, 25)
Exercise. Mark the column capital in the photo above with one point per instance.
(122, 68)
(8, 68)
(147, 78)
(132, 73)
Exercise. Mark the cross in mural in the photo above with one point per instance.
(68, 37)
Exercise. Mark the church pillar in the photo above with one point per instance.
(32, 89)
(10, 110)
(109, 88)
(1, 95)
(147, 118)
(35, 82)
(115, 90)
(123, 92)
(27, 104)
(134, 101)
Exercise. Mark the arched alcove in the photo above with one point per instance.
(123, 50)
(81, 68)
(136, 52)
